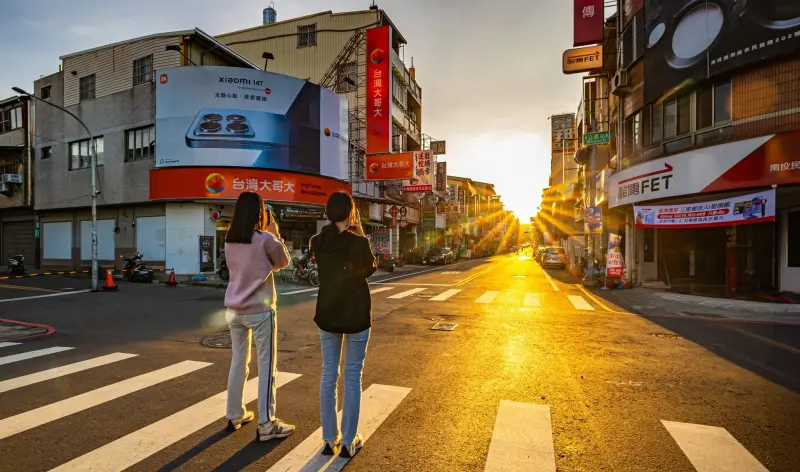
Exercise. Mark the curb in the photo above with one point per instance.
(50, 330)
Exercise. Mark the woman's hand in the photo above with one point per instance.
(272, 228)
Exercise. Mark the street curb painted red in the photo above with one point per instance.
(50, 330)
(720, 320)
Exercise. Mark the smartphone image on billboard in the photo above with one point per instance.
(238, 129)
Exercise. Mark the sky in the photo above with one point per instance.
(490, 71)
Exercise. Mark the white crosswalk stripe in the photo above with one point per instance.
(531, 299)
(407, 293)
(50, 374)
(487, 297)
(445, 295)
(39, 416)
(31, 354)
(522, 439)
(380, 289)
(137, 446)
(377, 403)
(8, 344)
(580, 303)
(712, 449)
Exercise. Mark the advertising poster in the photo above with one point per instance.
(422, 181)
(441, 176)
(588, 22)
(291, 213)
(562, 130)
(687, 42)
(381, 241)
(206, 254)
(221, 182)
(593, 220)
(379, 90)
(237, 117)
(614, 257)
(398, 166)
(745, 209)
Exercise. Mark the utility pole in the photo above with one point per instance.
(93, 157)
(589, 280)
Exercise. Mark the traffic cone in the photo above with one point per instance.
(110, 286)
(172, 282)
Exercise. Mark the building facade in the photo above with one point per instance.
(17, 225)
(112, 89)
(330, 49)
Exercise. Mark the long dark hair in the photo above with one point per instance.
(340, 206)
(250, 215)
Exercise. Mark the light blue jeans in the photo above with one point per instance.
(356, 351)
(263, 327)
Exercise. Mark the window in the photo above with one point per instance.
(656, 123)
(80, 154)
(722, 102)
(347, 77)
(646, 127)
(140, 144)
(670, 119)
(47, 152)
(87, 87)
(705, 104)
(10, 119)
(627, 138)
(684, 114)
(307, 35)
(143, 70)
(45, 92)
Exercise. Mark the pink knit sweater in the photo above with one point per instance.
(251, 288)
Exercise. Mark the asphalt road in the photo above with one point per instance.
(538, 374)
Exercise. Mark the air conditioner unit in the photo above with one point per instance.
(11, 178)
(619, 83)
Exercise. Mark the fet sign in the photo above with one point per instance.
(588, 22)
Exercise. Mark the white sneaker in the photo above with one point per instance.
(234, 425)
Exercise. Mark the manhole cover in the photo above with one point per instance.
(222, 340)
(444, 326)
(667, 336)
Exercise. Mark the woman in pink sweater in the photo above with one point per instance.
(253, 250)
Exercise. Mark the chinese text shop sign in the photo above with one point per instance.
(588, 24)
(745, 209)
(237, 117)
(379, 90)
(228, 183)
(381, 241)
(422, 181)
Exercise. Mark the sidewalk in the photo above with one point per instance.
(11, 330)
(655, 302)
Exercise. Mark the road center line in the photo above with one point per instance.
(595, 299)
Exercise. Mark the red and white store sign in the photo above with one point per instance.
(758, 162)
(744, 209)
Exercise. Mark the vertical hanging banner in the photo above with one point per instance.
(588, 22)
(441, 176)
(379, 90)
(423, 173)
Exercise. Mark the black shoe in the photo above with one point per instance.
(332, 447)
(350, 450)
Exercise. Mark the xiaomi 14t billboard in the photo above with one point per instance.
(236, 117)
(690, 40)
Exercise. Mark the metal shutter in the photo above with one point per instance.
(17, 238)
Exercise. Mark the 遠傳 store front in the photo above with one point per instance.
(716, 220)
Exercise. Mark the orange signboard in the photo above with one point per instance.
(379, 90)
(173, 183)
(399, 166)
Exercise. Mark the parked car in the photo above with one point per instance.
(555, 257)
(539, 253)
(440, 255)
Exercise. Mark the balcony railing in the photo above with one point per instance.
(414, 89)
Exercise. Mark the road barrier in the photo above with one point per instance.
(66, 272)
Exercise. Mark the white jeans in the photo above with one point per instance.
(263, 326)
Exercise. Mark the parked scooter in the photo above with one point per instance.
(305, 268)
(224, 273)
(135, 270)
(16, 264)
(385, 262)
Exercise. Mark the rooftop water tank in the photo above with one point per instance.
(270, 16)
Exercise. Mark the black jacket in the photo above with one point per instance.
(345, 260)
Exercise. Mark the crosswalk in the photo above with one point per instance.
(433, 294)
(522, 437)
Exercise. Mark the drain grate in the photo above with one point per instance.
(444, 326)
(222, 340)
(667, 336)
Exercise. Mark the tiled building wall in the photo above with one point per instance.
(766, 99)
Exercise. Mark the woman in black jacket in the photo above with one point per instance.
(344, 314)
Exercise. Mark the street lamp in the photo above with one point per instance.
(94, 178)
(267, 56)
